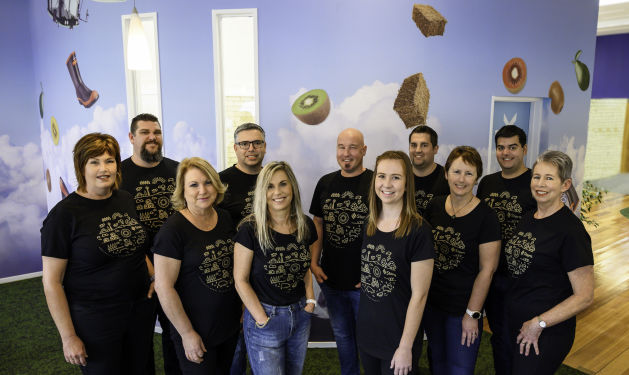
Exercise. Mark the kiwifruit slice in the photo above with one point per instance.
(555, 93)
(54, 129)
(41, 101)
(514, 75)
(313, 107)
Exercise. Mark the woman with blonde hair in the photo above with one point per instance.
(396, 267)
(272, 274)
(194, 279)
(96, 275)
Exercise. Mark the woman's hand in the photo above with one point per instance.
(310, 307)
(193, 346)
(74, 351)
(529, 334)
(402, 362)
(469, 333)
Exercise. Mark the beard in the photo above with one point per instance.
(151, 157)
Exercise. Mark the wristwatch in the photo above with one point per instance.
(314, 302)
(473, 314)
(541, 322)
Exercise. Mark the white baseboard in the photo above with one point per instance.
(25, 276)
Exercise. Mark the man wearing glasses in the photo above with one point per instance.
(250, 148)
(240, 178)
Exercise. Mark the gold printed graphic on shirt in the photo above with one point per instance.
(248, 204)
(120, 235)
(152, 201)
(217, 266)
(519, 252)
(508, 209)
(449, 248)
(344, 215)
(422, 199)
(287, 265)
(377, 272)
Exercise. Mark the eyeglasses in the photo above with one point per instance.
(244, 145)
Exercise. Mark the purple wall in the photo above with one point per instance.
(611, 78)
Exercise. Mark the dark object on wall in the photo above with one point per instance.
(428, 20)
(66, 12)
(64, 190)
(555, 93)
(41, 101)
(85, 96)
(313, 107)
(582, 71)
(411, 103)
(514, 75)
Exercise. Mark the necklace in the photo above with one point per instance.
(453, 216)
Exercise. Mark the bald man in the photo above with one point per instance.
(340, 208)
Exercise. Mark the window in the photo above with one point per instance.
(235, 46)
(143, 86)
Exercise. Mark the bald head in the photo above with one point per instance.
(350, 150)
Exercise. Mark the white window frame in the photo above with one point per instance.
(534, 133)
(130, 75)
(217, 15)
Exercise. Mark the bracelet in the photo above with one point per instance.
(310, 300)
(263, 324)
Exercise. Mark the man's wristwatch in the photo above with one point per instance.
(473, 314)
(313, 301)
(541, 322)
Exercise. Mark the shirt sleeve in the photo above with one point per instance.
(315, 205)
(576, 250)
(490, 228)
(422, 247)
(313, 232)
(168, 241)
(56, 234)
(246, 236)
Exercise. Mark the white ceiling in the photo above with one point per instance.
(613, 17)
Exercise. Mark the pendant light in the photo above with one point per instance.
(138, 55)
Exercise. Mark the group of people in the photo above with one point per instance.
(400, 251)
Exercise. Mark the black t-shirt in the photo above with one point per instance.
(151, 189)
(539, 256)
(457, 254)
(206, 277)
(428, 187)
(386, 287)
(238, 199)
(511, 198)
(343, 204)
(277, 277)
(105, 246)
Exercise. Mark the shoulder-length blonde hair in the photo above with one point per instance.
(90, 146)
(260, 213)
(178, 200)
(409, 218)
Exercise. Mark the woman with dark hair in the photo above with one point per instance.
(194, 255)
(466, 234)
(95, 271)
(272, 274)
(396, 267)
(551, 265)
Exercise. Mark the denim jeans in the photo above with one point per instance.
(343, 310)
(239, 363)
(444, 330)
(497, 315)
(280, 346)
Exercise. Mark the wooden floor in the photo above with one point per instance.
(601, 345)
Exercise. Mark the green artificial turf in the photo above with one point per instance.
(29, 343)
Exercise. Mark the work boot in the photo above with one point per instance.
(85, 96)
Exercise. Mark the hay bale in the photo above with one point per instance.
(412, 101)
(428, 20)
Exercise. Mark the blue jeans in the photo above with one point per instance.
(497, 316)
(343, 310)
(239, 363)
(448, 356)
(280, 346)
